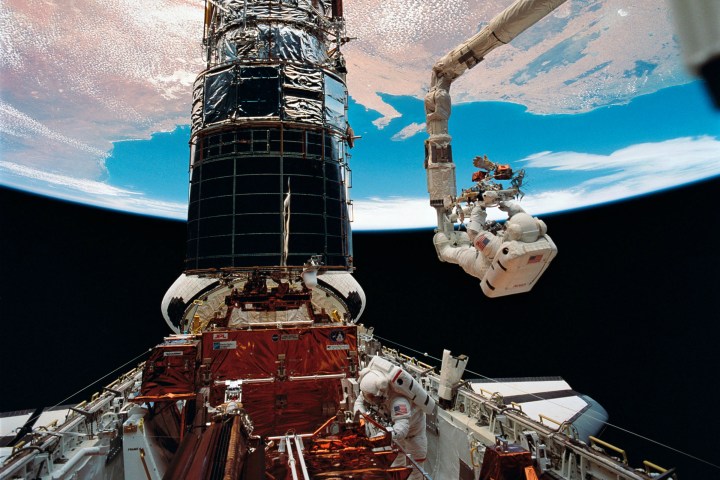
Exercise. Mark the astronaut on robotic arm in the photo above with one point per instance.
(382, 395)
(522, 249)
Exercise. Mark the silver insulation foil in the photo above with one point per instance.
(289, 92)
(269, 59)
(270, 42)
(303, 89)
(218, 106)
(303, 109)
(303, 78)
(243, 11)
(196, 112)
(335, 102)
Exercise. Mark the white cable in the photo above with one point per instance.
(91, 384)
(564, 406)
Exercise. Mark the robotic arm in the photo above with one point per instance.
(528, 258)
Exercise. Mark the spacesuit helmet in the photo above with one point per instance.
(524, 228)
(373, 385)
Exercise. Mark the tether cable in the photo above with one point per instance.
(484, 377)
(61, 402)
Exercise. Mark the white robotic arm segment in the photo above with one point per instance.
(437, 105)
(502, 29)
(507, 25)
(519, 16)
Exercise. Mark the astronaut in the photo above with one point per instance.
(475, 250)
(407, 419)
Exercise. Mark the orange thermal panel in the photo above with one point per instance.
(278, 353)
(170, 370)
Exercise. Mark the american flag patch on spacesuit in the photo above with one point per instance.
(535, 259)
(482, 242)
(400, 409)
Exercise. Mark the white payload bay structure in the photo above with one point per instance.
(508, 260)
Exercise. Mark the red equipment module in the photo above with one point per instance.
(289, 378)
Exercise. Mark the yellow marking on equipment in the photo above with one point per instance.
(650, 465)
(610, 446)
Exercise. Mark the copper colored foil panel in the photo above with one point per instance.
(282, 355)
(501, 464)
(170, 370)
(240, 355)
(300, 406)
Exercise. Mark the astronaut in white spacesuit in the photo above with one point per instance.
(407, 419)
(522, 247)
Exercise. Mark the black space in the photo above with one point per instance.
(626, 313)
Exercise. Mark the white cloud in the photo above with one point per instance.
(398, 213)
(90, 192)
(409, 131)
(392, 213)
(635, 170)
(644, 167)
(21, 125)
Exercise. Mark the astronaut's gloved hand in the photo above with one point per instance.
(478, 216)
(490, 198)
(478, 213)
(440, 240)
(390, 429)
(511, 207)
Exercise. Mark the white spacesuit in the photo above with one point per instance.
(508, 262)
(408, 420)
